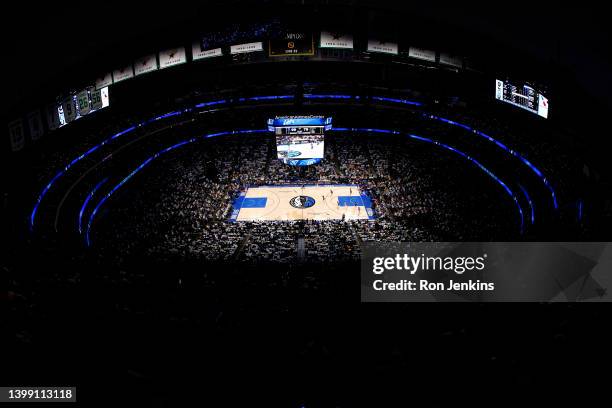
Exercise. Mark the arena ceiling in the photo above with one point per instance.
(61, 39)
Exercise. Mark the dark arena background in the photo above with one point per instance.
(186, 190)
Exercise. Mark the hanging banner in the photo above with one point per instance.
(35, 125)
(451, 60)
(336, 40)
(69, 109)
(145, 64)
(16, 135)
(104, 97)
(382, 47)
(83, 104)
(105, 80)
(52, 117)
(198, 53)
(249, 47)
(422, 54)
(122, 74)
(172, 57)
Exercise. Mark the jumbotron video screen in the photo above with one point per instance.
(300, 137)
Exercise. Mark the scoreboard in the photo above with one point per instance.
(521, 95)
(292, 43)
(300, 138)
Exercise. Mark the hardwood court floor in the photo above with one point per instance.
(278, 203)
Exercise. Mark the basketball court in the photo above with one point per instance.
(302, 202)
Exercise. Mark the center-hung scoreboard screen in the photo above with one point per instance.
(290, 43)
(299, 137)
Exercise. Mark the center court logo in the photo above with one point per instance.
(302, 202)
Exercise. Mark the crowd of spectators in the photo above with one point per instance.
(419, 192)
(181, 209)
(154, 241)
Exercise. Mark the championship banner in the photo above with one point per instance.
(122, 74)
(336, 40)
(145, 64)
(451, 60)
(248, 47)
(16, 135)
(52, 117)
(198, 53)
(383, 47)
(172, 57)
(292, 43)
(542, 106)
(104, 97)
(83, 102)
(104, 81)
(35, 125)
(422, 54)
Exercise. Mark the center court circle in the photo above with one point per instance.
(302, 201)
